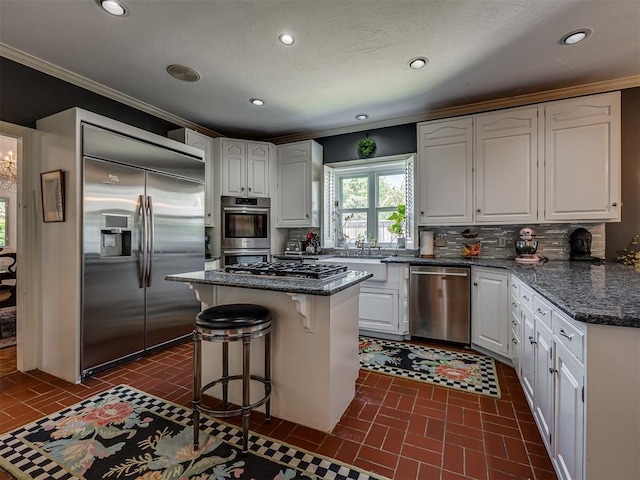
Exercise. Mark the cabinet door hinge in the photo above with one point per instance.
(583, 394)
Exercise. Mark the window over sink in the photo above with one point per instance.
(360, 196)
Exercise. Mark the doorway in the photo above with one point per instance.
(8, 254)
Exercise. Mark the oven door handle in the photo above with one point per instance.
(245, 251)
(245, 209)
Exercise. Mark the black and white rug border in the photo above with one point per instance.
(25, 461)
(489, 387)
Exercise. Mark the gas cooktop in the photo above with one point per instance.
(287, 269)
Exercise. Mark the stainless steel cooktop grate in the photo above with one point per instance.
(287, 269)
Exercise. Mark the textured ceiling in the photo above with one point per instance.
(350, 56)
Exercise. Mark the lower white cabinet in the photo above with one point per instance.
(489, 310)
(568, 437)
(379, 309)
(527, 360)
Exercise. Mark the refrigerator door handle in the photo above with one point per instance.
(152, 231)
(142, 241)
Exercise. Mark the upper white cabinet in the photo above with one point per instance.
(582, 149)
(299, 180)
(552, 162)
(506, 166)
(204, 143)
(244, 167)
(445, 172)
(489, 310)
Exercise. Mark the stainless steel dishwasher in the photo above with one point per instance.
(439, 303)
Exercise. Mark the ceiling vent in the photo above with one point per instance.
(183, 73)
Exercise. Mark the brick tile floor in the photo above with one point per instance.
(398, 428)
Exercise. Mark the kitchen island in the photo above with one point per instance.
(314, 340)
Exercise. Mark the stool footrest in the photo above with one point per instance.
(237, 411)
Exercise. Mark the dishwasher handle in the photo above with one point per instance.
(440, 274)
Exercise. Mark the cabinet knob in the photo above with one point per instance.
(514, 341)
(242, 189)
(532, 341)
(478, 210)
(475, 284)
(307, 215)
(552, 370)
(615, 204)
(421, 212)
(249, 188)
(540, 311)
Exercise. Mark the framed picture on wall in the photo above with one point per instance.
(52, 187)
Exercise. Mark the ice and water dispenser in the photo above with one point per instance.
(115, 236)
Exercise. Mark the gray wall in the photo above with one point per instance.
(27, 95)
(619, 235)
(389, 141)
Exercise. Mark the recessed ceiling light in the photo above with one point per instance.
(362, 116)
(418, 63)
(575, 36)
(287, 38)
(114, 7)
(257, 102)
(183, 73)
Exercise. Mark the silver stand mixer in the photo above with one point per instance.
(526, 248)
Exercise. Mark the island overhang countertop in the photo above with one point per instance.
(309, 286)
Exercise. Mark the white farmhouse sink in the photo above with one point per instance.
(364, 264)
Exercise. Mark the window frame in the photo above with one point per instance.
(372, 172)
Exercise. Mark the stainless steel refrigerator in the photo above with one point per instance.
(143, 218)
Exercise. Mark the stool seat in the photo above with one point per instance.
(233, 316)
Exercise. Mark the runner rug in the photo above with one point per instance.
(463, 371)
(7, 327)
(124, 433)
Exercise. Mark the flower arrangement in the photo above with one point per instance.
(631, 256)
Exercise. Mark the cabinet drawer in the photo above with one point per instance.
(515, 287)
(542, 310)
(515, 311)
(569, 334)
(526, 296)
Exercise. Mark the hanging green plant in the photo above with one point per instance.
(366, 147)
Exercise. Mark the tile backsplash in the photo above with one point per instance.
(553, 239)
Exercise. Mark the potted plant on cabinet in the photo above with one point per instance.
(397, 227)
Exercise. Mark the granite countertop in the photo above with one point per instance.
(607, 293)
(326, 287)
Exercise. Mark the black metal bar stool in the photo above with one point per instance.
(231, 323)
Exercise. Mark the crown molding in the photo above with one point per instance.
(478, 107)
(95, 87)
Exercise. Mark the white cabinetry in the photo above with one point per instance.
(384, 298)
(506, 165)
(299, 180)
(489, 310)
(582, 149)
(244, 167)
(445, 172)
(204, 143)
(587, 434)
(552, 162)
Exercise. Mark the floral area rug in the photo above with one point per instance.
(463, 371)
(127, 434)
(7, 327)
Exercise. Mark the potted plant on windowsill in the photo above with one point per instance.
(399, 218)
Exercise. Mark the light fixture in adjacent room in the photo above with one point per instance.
(287, 39)
(575, 36)
(114, 7)
(8, 172)
(183, 73)
(362, 116)
(418, 63)
(257, 102)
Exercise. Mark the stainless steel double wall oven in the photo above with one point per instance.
(245, 230)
